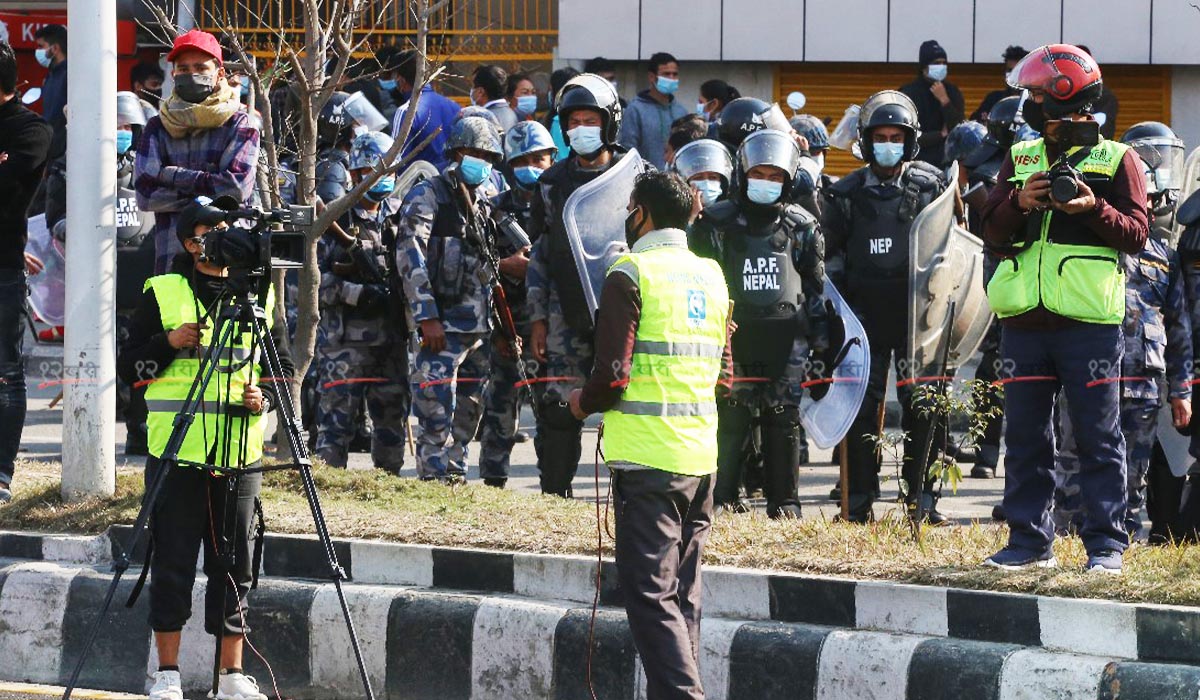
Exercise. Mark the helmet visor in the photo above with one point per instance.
(703, 156)
(774, 118)
(1163, 160)
(770, 147)
(1058, 71)
(363, 112)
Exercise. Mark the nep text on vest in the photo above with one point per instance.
(760, 274)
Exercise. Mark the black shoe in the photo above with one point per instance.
(982, 471)
(787, 511)
(741, 505)
(998, 513)
(964, 455)
(835, 493)
(521, 436)
(495, 481)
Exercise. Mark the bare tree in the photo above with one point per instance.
(316, 62)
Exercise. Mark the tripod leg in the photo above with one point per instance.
(300, 457)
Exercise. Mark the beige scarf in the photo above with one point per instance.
(181, 119)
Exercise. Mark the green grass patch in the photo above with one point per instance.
(372, 505)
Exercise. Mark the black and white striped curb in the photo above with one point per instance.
(422, 644)
(1154, 633)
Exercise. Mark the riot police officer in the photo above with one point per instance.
(867, 222)
(590, 113)
(445, 225)
(1163, 155)
(528, 152)
(360, 330)
(772, 253)
(335, 129)
(707, 167)
(746, 115)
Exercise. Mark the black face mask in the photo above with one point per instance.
(1034, 116)
(194, 88)
(631, 228)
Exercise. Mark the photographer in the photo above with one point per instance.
(175, 324)
(1059, 291)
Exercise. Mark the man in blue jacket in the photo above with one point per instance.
(434, 112)
(648, 118)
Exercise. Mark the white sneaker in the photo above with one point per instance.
(238, 686)
(166, 686)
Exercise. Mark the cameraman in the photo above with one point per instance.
(1059, 290)
(170, 331)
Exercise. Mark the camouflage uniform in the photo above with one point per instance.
(502, 405)
(445, 278)
(1158, 350)
(361, 355)
(333, 174)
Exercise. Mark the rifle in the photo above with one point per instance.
(501, 311)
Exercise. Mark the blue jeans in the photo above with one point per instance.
(1085, 362)
(12, 369)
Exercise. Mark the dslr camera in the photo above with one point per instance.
(1064, 176)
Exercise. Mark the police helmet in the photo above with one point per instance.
(1001, 118)
(477, 133)
(1162, 153)
(888, 108)
(963, 139)
(590, 91)
(368, 149)
(334, 123)
(129, 110)
(526, 138)
(740, 118)
(704, 156)
(812, 129)
(767, 147)
(477, 111)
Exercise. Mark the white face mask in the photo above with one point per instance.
(937, 71)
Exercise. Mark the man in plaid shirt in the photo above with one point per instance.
(201, 143)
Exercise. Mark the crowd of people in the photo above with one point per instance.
(451, 291)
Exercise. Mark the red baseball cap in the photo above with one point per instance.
(196, 40)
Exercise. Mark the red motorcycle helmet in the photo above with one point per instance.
(1066, 76)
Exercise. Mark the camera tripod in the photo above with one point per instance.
(239, 312)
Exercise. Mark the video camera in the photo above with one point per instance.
(257, 240)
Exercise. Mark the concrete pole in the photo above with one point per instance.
(89, 359)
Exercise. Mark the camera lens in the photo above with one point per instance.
(1064, 188)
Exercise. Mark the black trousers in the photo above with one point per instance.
(194, 508)
(663, 522)
(12, 369)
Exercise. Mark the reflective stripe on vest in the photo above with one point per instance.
(667, 417)
(220, 411)
(1082, 282)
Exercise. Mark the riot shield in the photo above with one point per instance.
(47, 289)
(1189, 186)
(412, 174)
(827, 421)
(594, 217)
(945, 266)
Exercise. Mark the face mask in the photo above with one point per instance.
(631, 228)
(700, 109)
(245, 89)
(710, 190)
(194, 87)
(124, 141)
(937, 71)
(1008, 77)
(382, 189)
(526, 105)
(888, 154)
(43, 57)
(585, 140)
(763, 191)
(387, 84)
(614, 84)
(360, 129)
(474, 170)
(667, 86)
(527, 175)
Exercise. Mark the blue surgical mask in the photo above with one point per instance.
(763, 191)
(937, 71)
(527, 175)
(667, 86)
(245, 88)
(526, 105)
(710, 190)
(387, 84)
(585, 140)
(888, 154)
(43, 57)
(124, 141)
(382, 189)
(700, 108)
(474, 171)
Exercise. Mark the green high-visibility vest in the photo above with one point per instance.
(667, 417)
(1083, 282)
(218, 428)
